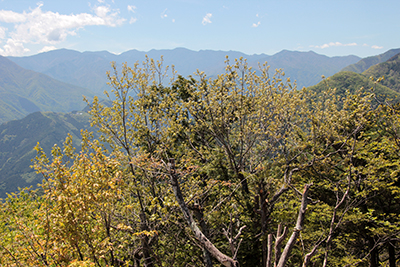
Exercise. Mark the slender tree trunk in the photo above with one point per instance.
(264, 222)
(269, 254)
(148, 261)
(200, 217)
(145, 241)
(296, 232)
(374, 256)
(392, 254)
(218, 255)
(244, 183)
(280, 237)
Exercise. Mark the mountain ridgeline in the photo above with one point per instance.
(368, 62)
(387, 89)
(389, 70)
(88, 69)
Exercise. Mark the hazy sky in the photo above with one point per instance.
(329, 27)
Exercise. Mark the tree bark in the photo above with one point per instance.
(296, 232)
(218, 255)
(198, 213)
(145, 241)
(392, 254)
(374, 256)
(269, 254)
(278, 242)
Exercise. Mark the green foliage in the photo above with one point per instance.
(350, 81)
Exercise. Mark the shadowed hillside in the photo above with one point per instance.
(19, 137)
(351, 81)
(390, 70)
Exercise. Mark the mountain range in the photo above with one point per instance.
(389, 70)
(368, 62)
(352, 81)
(388, 67)
(88, 69)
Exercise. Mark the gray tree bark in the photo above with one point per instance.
(207, 244)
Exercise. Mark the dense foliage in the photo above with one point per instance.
(241, 169)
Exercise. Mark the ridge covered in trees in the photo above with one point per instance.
(23, 92)
(368, 62)
(240, 169)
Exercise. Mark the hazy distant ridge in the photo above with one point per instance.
(25, 91)
(88, 69)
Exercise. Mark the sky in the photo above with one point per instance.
(329, 27)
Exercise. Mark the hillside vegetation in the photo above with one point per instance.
(390, 70)
(347, 81)
(236, 169)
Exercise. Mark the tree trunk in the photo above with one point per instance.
(296, 232)
(200, 217)
(269, 254)
(218, 255)
(280, 237)
(392, 254)
(145, 242)
(264, 222)
(374, 256)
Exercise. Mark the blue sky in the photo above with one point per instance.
(329, 27)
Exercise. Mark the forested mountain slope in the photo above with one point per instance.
(367, 62)
(19, 137)
(25, 91)
(390, 70)
(351, 81)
